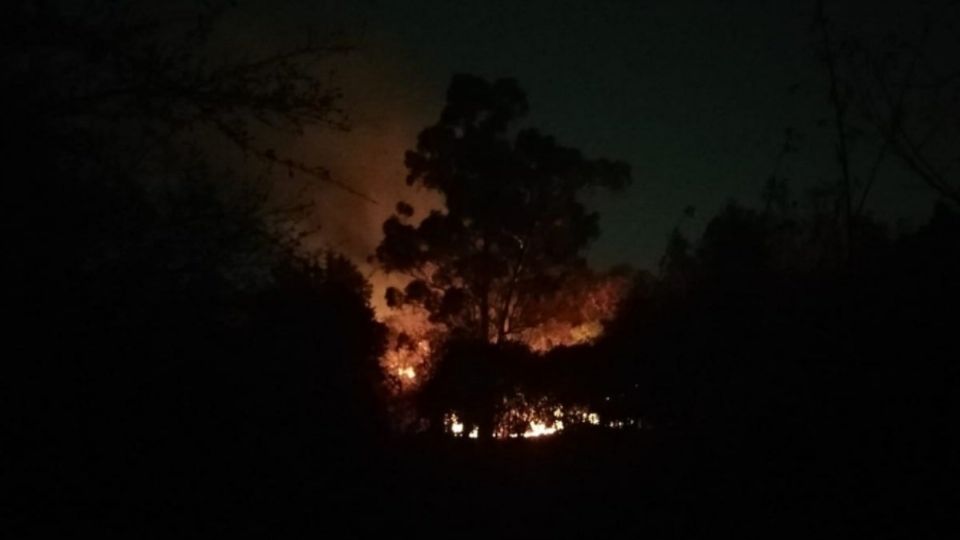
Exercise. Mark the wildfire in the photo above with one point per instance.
(455, 426)
(540, 429)
(561, 334)
(533, 420)
(409, 347)
(576, 318)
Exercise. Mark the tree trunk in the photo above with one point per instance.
(484, 330)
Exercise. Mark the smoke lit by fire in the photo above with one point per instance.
(576, 316)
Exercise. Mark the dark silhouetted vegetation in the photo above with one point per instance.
(513, 229)
(178, 363)
(175, 354)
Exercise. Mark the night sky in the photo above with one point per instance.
(695, 95)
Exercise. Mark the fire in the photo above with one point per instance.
(533, 420)
(455, 426)
(409, 346)
(540, 429)
(574, 318)
(554, 334)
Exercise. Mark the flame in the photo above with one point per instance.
(540, 429)
(531, 418)
(575, 318)
(410, 338)
(534, 420)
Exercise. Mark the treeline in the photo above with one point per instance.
(777, 376)
(819, 378)
(748, 335)
(769, 329)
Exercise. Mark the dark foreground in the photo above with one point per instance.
(594, 484)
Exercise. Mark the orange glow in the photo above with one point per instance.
(576, 319)
(540, 429)
(409, 346)
(577, 316)
(534, 420)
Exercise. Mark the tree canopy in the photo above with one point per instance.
(513, 228)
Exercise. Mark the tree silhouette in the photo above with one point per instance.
(192, 331)
(513, 228)
(472, 381)
(895, 95)
(141, 88)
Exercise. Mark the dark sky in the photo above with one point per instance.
(695, 95)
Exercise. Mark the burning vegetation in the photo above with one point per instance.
(495, 279)
(417, 347)
(411, 342)
(572, 316)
